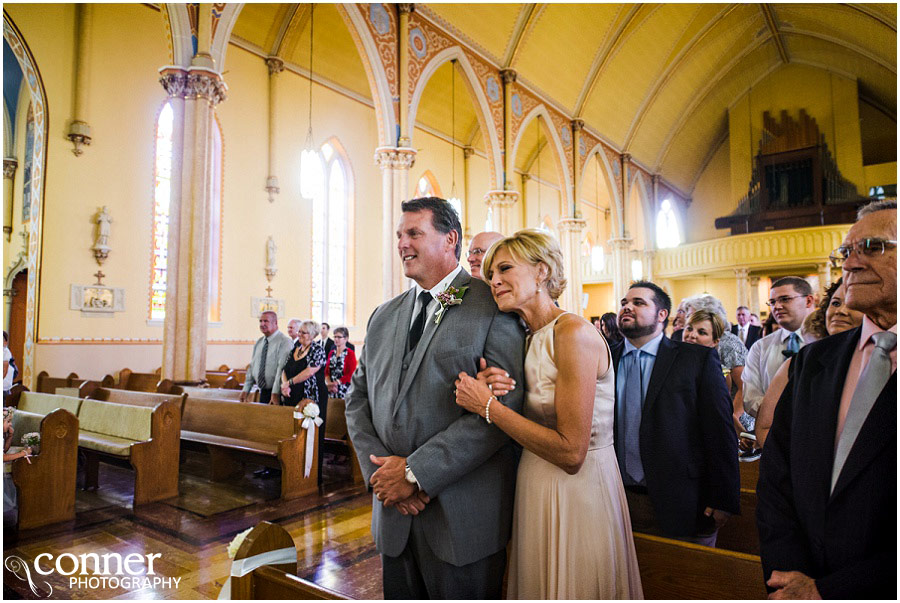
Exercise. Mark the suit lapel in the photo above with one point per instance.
(665, 357)
(462, 279)
(878, 430)
(401, 333)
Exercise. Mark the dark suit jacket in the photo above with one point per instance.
(687, 442)
(846, 540)
(754, 333)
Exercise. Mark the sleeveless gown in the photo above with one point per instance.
(571, 533)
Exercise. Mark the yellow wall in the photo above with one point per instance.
(600, 300)
(880, 174)
(712, 199)
(829, 98)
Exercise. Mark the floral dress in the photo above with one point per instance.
(295, 365)
(336, 372)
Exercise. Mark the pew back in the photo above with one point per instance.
(118, 420)
(43, 403)
(135, 398)
(215, 393)
(48, 385)
(253, 422)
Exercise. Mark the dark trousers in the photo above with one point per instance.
(265, 396)
(643, 518)
(418, 574)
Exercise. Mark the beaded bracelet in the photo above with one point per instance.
(487, 409)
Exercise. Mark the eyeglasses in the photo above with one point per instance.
(867, 247)
(783, 300)
(339, 337)
(476, 251)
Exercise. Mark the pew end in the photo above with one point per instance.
(277, 581)
(52, 471)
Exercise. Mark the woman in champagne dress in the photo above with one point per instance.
(571, 529)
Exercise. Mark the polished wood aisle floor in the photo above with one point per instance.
(191, 533)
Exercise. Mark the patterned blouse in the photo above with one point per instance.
(336, 365)
(732, 352)
(309, 388)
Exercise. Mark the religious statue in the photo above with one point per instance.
(271, 250)
(101, 243)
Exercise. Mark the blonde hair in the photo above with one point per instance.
(534, 247)
(718, 325)
(310, 327)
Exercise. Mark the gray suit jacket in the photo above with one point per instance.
(466, 466)
(279, 347)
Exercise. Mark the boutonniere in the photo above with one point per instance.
(451, 296)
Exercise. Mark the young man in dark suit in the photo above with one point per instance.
(827, 492)
(676, 447)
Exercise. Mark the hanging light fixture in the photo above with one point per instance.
(453, 200)
(309, 159)
(597, 259)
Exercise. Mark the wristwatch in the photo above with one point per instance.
(410, 477)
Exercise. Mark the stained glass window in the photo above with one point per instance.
(329, 183)
(29, 157)
(667, 233)
(162, 195)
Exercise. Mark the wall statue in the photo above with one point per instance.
(101, 242)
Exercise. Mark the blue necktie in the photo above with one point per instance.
(634, 394)
(792, 346)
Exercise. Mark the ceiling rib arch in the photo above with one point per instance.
(846, 45)
(283, 28)
(526, 20)
(892, 25)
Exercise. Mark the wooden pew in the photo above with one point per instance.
(148, 437)
(233, 395)
(337, 437)
(222, 380)
(672, 569)
(749, 475)
(741, 533)
(46, 487)
(122, 396)
(50, 385)
(262, 433)
(144, 382)
(274, 581)
(240, 375)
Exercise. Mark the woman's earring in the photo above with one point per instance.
(538, 287)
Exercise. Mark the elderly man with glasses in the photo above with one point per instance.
(478, 247)
(790, 300)
(827, 492)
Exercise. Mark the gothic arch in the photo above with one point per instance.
(35, 85)
(615, 207)
(181, 37)
(482, 107)
(382, 98)
(649, 215)
(222, 34)
(561, 164)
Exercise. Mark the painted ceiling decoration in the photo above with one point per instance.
(654, 81)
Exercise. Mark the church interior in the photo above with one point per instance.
(171, 171)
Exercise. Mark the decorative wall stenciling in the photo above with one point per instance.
(516, 103)
(417, 43)
(492, 86)
(379, 19)
(565, 134)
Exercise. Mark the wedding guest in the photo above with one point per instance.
(479, 246)
(571, 535)
(10, 454)
(269, 353)
(754, 320)
(610, 328)
(744, 329)
(340, 365)
(9, 366)
(837, 319)
(770, 326)
(678, 321)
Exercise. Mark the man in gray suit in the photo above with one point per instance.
(443, 479)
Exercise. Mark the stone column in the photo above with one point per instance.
(275, 66)
(825, 275)
(395, 164)
(570, 233)
(9, 176)
(743, 286)
(621, 267)
(625, 189)
(194, 92)
(501, 204)
(754, 295)
(508, 76)
(403, 11)
(79, 130)
(647, 262)
(524, 204)
(577, 127)
(467, 221)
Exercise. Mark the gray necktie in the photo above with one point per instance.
(872, 380)
(261, 371)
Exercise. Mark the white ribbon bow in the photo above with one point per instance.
(309, 424)
(242, 567)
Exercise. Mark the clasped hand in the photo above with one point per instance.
(473, 393)
(391, 488)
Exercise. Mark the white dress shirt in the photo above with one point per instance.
(439, 288)
(763, 361)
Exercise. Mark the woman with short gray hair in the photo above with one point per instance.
(298, 378)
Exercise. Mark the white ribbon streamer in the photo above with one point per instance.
(242, 567)
(309, 424)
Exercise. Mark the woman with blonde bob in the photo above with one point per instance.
(571, 529)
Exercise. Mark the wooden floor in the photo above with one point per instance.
(191, 532)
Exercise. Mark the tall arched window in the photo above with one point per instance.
(667, 233)
(29, 170)
(162, 196)
(330, 184)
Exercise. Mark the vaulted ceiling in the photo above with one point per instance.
(654, 80)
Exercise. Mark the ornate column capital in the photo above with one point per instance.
(501, 198)
(468, 152)
(193, 83)
(9, 167)
(508, 76)
(571, 225)
(620, 244)
(396, 158)
(626, 157)
(655, 178)
(754, 281)
(577, 125)
(275, 65)
(406, 8)
(742, 273)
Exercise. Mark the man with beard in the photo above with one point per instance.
(673, 435)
